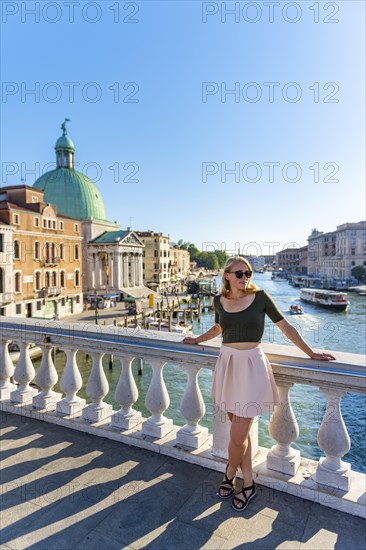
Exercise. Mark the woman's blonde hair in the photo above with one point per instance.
(251, 287)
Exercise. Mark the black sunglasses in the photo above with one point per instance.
(239, 274)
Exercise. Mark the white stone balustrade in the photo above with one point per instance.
(157, 401)
(6, 370)
(97, 388)
(193, 409)
(24, 374)
(157, 432)
(334, 440)
(284, 429)
(126, 395)
(70, 383)
(46, 378)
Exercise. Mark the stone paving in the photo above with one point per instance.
(62, 489)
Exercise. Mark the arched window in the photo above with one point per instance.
(76, 252)
(47, 252)
(17, 282)
(53, 252)
(54, 278)
(47, 279)
(37, 250)
(16, 250)
(77, 278)
(62, 279)
(62, 252)
(2, 285)
(38, 280)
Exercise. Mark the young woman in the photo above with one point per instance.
(243, 383)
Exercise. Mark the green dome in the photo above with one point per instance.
(64, 142)
(72, 192)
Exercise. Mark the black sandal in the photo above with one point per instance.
(224, 485)
(244, 503)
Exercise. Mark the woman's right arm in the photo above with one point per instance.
(211, 333)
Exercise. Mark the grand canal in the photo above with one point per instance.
(322, 329)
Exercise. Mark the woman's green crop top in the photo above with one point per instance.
(246, 325)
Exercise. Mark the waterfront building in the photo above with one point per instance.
(269, 260)
(334, 254)
(112, 258)
(257, 262)
(156, 259)
(6, 269)
(42, 271)
(179, 263)
(293, 260)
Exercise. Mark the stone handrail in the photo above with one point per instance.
(335, 379)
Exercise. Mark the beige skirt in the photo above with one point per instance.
(243, 382)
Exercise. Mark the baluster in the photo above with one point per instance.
(192, 408)
(157, 401)
(334, 440)
(46, 378)
(126, 395)
(284, 429)
(24, 374)
(70, 383)
(6, 371)
(97, 388)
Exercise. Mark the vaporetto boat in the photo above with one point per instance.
(325, 298)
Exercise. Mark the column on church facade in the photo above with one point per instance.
(120, 270)
(116, 270)
(110, 260)
(125, 270)
(133, 269)
(98, 280)
(139, 270)
(92, 274)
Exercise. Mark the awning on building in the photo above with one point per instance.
(138, 292)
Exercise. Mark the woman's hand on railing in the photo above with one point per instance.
(322, 356)
(189, 340)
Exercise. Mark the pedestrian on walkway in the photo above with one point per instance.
(243, 383)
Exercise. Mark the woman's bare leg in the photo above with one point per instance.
(239, 448)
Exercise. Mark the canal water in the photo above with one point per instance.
(322, 329)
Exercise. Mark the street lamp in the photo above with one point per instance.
(96, 307)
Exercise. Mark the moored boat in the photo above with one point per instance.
(325, 298)
(180, 327)
(278, 276)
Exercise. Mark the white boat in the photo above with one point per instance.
(297, 280)
(325, 298)
(177, 327)
(164, 326)
(278, 276)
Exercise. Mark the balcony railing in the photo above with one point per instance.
(7, 297)
(330, 481)
(51, 291)
(48, 262)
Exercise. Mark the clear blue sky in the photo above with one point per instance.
(178, 123)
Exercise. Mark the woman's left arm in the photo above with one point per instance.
(293, 334)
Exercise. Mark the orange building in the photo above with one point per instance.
(46, 255)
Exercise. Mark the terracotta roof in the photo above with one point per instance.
(21, 186)
(6, 205)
